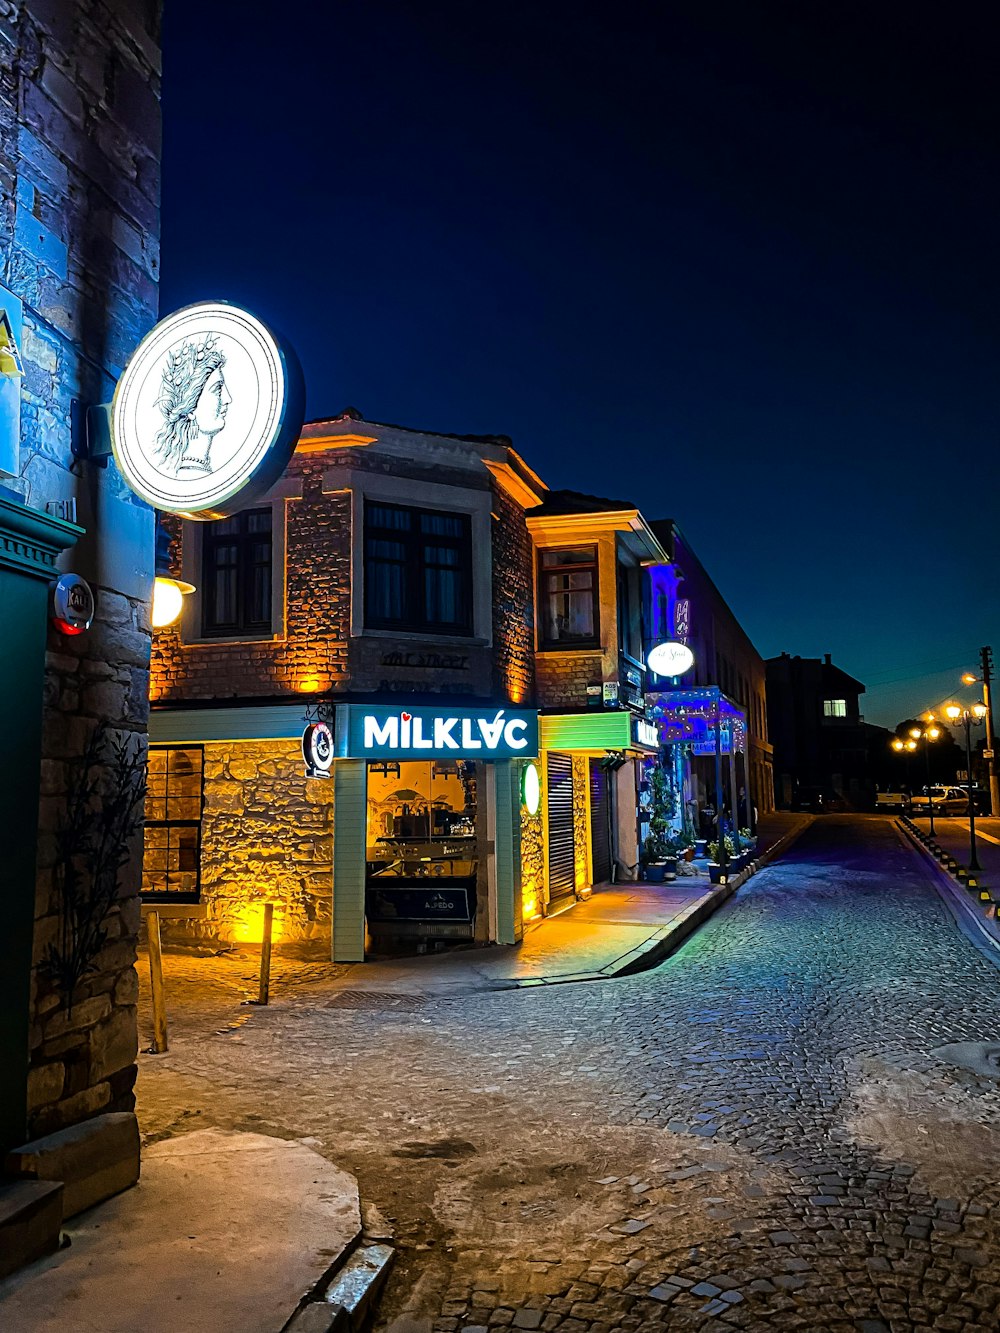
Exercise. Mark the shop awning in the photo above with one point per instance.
(597, 731)
(188, 726)
(690, 716)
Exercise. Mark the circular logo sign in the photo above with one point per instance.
(531, 789)
(670, 659)
(317, 750)
(72, 604)
(207, 411)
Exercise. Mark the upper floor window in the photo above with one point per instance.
(834, 707)
(567, 597)
(236, 574)
(171, 862)
(418, 570)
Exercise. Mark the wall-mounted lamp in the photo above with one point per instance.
(168, 592)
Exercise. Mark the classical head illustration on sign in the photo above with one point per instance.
(194, 400)
(207, 411)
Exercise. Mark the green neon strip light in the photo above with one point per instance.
(585, 731)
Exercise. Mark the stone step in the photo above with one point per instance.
(94, 1159)
(30, 1218)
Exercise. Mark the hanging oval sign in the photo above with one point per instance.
(207, 412)
(670, 659)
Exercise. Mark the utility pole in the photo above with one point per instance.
(986, 662)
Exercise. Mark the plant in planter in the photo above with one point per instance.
(659, 858)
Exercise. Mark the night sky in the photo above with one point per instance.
(735, 262)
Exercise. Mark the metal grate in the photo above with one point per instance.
(373, 999)
(562, 852)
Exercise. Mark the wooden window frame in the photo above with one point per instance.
(541, 571)
(243, 541)
(169, 895)
(415, 565)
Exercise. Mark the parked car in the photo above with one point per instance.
(892, 800)
(946, 800)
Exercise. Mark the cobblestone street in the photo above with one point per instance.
(757, 1134)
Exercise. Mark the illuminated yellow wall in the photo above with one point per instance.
(581, 822)
(532, 864)
(267, 835)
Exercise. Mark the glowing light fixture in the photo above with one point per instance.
(670, 659)
(168, 593)
(531, 789)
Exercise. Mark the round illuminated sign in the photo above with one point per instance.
(531, 789)
(670, 659)
(72, 604)
(207, 411)
(317, 750)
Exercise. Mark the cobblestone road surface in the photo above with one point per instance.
(756, 1135)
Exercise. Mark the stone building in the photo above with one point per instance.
(79, 222)
(385, 579)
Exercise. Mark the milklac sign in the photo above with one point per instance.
(387, 731)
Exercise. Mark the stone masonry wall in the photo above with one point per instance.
(513, 602)
(581, 823)
(532, 865)
(563, 678)
(267, 835)
(79, 229)
(311, 657)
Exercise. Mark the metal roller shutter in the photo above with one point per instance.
(562, 879)
(600, 826)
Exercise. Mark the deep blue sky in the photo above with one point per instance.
(737, 262)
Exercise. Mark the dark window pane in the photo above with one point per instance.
(237, 573)
(172, 836)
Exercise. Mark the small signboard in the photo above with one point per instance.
(431, 903)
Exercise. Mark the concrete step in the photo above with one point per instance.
(94, 1159)
(30, 1218)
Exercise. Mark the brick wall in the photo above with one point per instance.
(513, 602)
(79, 228)
(312, 655)
(317, 654)
(562, 678)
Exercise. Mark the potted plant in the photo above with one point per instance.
(717, 872)
(659, 852)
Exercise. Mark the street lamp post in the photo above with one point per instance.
(985, 678)
(907, 748)
(969, 718)
(930, 734)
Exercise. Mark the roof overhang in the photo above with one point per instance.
(637, 536)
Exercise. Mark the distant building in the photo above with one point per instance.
(821, 740)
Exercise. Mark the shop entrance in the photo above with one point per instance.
(600, 821)
(562, 857)
(421, 859)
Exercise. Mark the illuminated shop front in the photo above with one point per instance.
(705, 738)
(415, 814)
(589, 833)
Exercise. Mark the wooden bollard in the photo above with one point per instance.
(156, 984)
(264, 989)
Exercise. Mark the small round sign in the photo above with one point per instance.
(531, 789)
(72, 604)
(317, 750)
(207, 412)
(670, 659)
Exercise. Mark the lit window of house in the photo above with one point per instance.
(834, 707)
(171, 862)
(567, 596)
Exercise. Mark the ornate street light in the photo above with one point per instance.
(969, 718)
(928, 735)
